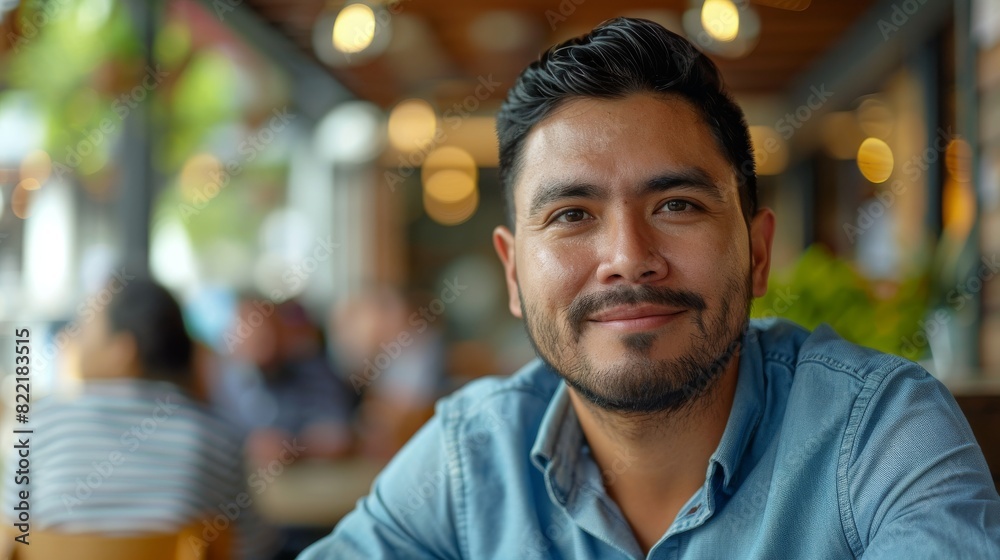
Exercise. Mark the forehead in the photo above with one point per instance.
(620, 141)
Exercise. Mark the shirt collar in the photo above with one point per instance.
(559, 442)
(744, 417)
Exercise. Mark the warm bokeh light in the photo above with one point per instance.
(20, 201)
(412, 124)
(30, 184)
(450, 186)
(451, 214)
(958, 208)
(354, 29)
(770, 153)
(37, 165)
(721, 19)
(450, 197)
(449, 158)
(875, 160)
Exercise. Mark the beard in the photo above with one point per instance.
(639, 383)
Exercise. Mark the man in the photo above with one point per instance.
(658, 422)
(131, 452)
(277, 385)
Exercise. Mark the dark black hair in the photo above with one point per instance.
(152, 316)
(620, 57)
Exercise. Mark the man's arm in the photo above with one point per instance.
(917, 485)
(409, 512)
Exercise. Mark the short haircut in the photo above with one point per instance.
(618, 58)
(152, 316)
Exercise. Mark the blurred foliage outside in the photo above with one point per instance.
(821, 288)
(83, 66)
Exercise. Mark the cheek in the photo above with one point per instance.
(553, 273)
(706, 266)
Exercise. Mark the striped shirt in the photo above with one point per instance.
(129, 456)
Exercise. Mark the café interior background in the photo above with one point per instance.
(341, 155)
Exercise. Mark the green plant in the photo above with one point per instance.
(821, 288)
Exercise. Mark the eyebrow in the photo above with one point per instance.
(690, 177)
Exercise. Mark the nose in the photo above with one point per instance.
(631, 253)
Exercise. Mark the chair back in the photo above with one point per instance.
(184, 545)
(982, 410)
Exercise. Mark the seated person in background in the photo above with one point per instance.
(277, 386)
(395, 359)
(659, 422)
(130, 452)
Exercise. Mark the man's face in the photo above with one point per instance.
(632, 264)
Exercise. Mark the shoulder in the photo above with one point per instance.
(518, 401)
(827, 381)
(823, 356)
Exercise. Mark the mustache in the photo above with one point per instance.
(586, 305)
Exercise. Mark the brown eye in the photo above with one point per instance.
(677, 205)
(570, 216)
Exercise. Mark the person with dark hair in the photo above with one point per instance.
(275, 384)
(659, 421)
(129, 451)
(141, 333)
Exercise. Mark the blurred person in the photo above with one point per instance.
(398, 356)
(277, 386)
(131, 451)
(658, 420)
(359, 323)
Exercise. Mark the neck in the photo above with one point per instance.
(653, 463)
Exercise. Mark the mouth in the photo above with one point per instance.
(631, 319)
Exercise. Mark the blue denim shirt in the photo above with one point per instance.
(831, 450)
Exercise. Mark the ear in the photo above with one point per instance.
(503, 242)
(761, 236)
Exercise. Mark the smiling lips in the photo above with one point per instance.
(631, 318)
